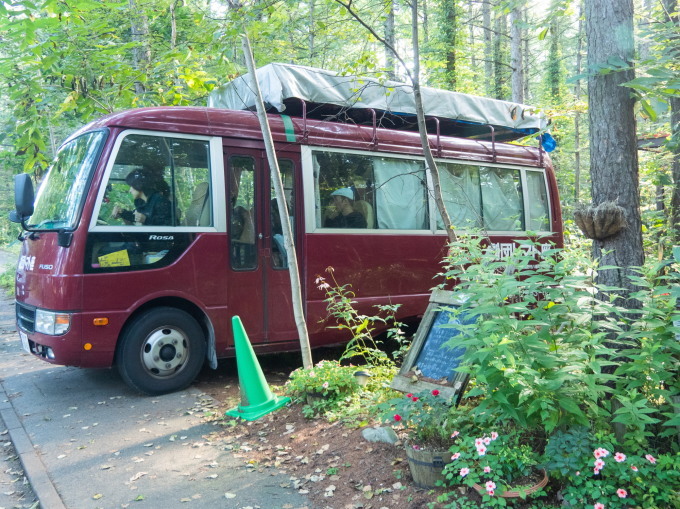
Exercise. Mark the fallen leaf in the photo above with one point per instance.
(97, 496)
(230, 495)
(137, 476)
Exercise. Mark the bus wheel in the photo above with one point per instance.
(161, 351)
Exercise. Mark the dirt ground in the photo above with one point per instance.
(334, 466)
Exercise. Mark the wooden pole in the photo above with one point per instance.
(283, 209)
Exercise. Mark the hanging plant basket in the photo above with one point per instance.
(516, 493)
(600, 222)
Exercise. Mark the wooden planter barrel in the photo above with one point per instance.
(427, 465)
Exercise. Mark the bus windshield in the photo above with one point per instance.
(59, 199)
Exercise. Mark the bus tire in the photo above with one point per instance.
(161, 351)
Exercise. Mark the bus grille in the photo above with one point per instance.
(25, 317)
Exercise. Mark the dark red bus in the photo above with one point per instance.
(153, 227)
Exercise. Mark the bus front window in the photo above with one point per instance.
(61, 194)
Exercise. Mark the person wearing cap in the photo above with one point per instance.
(152, 207)
(345, 216)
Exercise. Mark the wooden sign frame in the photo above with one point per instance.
(410, 382)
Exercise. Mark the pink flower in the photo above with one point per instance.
(596, 471)
(397, 417)
(622, 493)
(494, 435)
(409, 395)
(415, 398)
(598, 506)
(325, 385)
(464, 471)
(416, 447)
(491, 492)
(578, 473)
(455, 456)
(481, 450)
(487, 440)
(634, 468)
(487, 469)
(650, 458)
(455, 434)
(435, 392)
(490, 486)
(620, 457)
(601, 453)
(599, 464)
(479, 442)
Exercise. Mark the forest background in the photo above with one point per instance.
(64, 63)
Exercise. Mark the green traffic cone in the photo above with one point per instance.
(257, 399)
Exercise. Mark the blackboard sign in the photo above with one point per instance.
(433, 356)
(437, 359)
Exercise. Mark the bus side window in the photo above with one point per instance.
(461, 192)
(155, 180)
(502, 204)
(538, 207)
(242, 212)
(389, 193)
(279, 256)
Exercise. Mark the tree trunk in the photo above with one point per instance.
(671, 7)
(613, 147)
(141, 53)
(471, 42)
(450, 30)
(577, 116)
(516, 55)
(295, 285)
(390, 61)
(500, 64)
(310, 39)
(488, 46)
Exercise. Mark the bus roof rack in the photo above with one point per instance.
(320, 94)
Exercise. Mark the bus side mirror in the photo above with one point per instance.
(23, 198)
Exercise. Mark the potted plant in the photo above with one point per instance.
(425, 421)
(323, 386)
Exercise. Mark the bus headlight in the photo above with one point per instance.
(51, 323)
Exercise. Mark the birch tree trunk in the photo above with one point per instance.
(613, 144)
(295, 285)
(516, 55)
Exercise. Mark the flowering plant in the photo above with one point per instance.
(495, 461)
(426, 417)
(603, 477)
(328, 379)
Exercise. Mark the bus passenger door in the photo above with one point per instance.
(245, 282)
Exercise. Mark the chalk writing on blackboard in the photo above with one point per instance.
(439, 356)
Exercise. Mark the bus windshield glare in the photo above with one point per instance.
(60, 197)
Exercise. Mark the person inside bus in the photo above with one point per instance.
(149, 192)
(341, 213)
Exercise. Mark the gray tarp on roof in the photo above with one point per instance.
(279, 82)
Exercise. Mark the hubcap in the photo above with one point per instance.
(165, 352)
